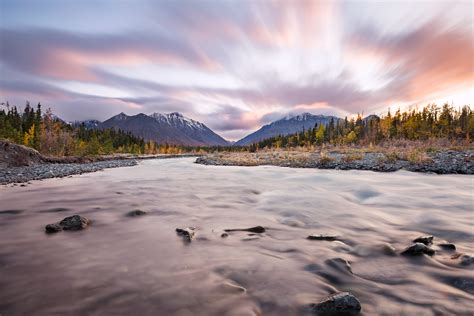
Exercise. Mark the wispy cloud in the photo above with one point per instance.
(235, 65)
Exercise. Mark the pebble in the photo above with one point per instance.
(136, 213)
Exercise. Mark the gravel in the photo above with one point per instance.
(49, 170)
(441, 162)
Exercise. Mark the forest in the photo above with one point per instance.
(54, 137)
(430, 122)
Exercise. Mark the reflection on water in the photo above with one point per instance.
(139, 266)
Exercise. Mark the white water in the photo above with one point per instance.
(140, 266)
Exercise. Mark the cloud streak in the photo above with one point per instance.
(235, 65)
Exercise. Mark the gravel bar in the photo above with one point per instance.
(57, 170)
(442, 162)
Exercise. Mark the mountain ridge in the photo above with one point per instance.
(289, 124)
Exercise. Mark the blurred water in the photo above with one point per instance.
(139, 266)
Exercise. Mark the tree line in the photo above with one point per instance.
(413, 124)
(52, 136)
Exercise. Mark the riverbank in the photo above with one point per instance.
(440, 162)
(20, 164)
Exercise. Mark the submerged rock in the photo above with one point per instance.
(322, 237)
(466, 260)
(388, 249)
(256, 229)
(427, 240)
(187, 233)
(418, 249)
(340, 264)
(343, 303)
(75, 222)
(224, 235)
(447, 246)
(53, 228)
(136, 213)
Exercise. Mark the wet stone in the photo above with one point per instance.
(447, 246)
(187, 233)
(322, 237)
(136, 213)
(340, 264)
(53, 228)
(224, 235)
(427, 240)
(418, 249)
(256, 229)
(466, 260)
(343, 303)
(75, 222)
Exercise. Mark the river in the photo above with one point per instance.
(139, 265)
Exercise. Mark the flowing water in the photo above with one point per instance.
(140, 266)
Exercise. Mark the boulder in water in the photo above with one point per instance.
(186, 233)
(427, 240)
(343, 303)
(75, 222)
(418, 249)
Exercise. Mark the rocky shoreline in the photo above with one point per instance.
(20, 164)
(439, 162)
(57, 170)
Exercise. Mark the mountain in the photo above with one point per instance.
(288, 125)
(171, 128)
(87, 123)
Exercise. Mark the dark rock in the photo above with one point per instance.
(53, 228)
(75, 222)
(224, 235)
(447, 246)
(136, 213)
(427, 240)
(343, 303)
(256, 229)
(418, 249)
(322, 237)
(186, 233)
(466, 260)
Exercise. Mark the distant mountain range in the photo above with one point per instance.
(288, 125)
(174, 128)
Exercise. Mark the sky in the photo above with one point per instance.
(235, 65)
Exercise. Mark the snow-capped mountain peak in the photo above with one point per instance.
(178, 120)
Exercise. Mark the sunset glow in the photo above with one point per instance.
(235, 65)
